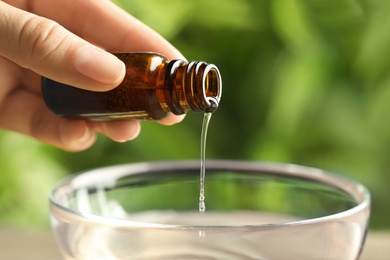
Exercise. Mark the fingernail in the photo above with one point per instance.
(85, 137)
(75, 134)
(99, 65)
(121, 131)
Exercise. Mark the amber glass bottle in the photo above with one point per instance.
(152, 88)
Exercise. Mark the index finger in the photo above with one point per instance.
(106, 25)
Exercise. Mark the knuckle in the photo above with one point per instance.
(39, 38)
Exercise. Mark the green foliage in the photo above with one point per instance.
(28, 172)
(305, 81)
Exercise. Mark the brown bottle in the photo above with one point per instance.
(152, 88)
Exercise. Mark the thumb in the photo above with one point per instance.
(45, 47)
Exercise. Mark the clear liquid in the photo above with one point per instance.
(203, 138)
(324, 240)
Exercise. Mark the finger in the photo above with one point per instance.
(75, 135)
(118, 31)
(172, 119)
(120, 131)
(48, 49)
(24, 112)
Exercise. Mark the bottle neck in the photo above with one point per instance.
(194, 85)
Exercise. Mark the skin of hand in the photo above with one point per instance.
(59, 39)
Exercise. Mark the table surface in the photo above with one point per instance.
(22, 245)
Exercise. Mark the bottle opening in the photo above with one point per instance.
(212, 87)
(194, 85)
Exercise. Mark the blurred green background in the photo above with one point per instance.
(304, 81)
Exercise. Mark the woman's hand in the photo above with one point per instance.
(58, 39)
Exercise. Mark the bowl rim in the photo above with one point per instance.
(351, 187)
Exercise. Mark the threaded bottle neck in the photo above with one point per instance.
(194, 85)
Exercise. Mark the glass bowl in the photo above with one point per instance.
(254, 210)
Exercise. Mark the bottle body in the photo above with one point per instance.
(152, 88)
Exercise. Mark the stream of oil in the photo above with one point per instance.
(203, 138)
